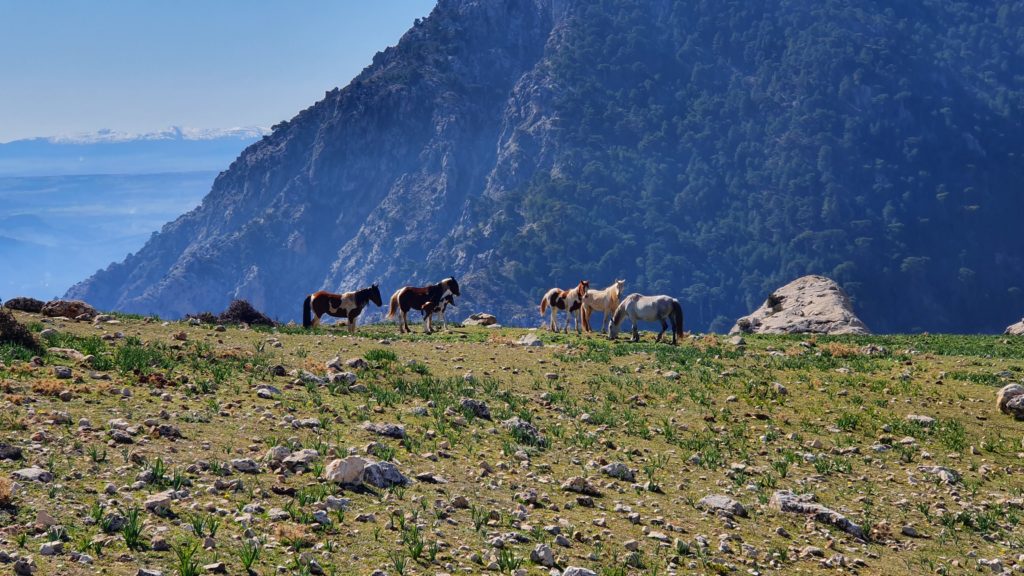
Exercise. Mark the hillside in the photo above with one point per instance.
(230, 435)
(709, 150)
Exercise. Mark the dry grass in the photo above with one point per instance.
(6, 492)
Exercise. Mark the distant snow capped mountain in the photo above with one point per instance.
(172, 133)
(175, 149)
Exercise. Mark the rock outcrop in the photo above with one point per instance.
(1016, 329)
(69, 309)
(25, 304)
(1010, 400)
(810, 304)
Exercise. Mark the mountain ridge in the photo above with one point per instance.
(712, 152)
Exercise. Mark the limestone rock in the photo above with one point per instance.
(480, 319)
(477, 407)
(811, 304)
(396, 431)
(1011, 330)
(347, 471)
(33, 474)
(786, 501)
(721, 503)
(1011, 393)
(620, 471)
(383, 475)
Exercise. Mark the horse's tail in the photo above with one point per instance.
(307, 320)
(543, 304)
(677, 318)
(393, 305)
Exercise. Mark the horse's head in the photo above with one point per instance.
(451, 285)
(617, 318)
(583, 287)
(375, 295)
(619, 285)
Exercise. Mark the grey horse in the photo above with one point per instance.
(649, 309)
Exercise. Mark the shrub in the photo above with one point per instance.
(240, 311)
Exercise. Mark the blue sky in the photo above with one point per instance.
(71, 66)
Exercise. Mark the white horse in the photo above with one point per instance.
(569, 300)
(606, 301)
(648, 309)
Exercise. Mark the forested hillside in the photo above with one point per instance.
(709, 150)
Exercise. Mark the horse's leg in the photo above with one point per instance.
(428, 326)
(403, 326)
(352, 322)
(664, 326)
(636, 331)
(604, 321)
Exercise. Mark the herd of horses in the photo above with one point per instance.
(578, 303)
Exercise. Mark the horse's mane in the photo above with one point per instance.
(620, 311)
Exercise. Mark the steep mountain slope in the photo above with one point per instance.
(709, 150)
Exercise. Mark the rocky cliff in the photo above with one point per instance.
(708, 150)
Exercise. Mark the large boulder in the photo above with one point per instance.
(811, 304)
(25, 304)
(1010, 400)
(480, 319)
(68, 309)
(1015, 329)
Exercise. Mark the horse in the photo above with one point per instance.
(569, 300)
(648, 309)
(439, 308)
(420, 298)
(348, 305)
(606, 301)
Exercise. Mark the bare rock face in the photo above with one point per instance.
(1015, 329)
(811, 304)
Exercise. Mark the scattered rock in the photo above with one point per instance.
(1011, 394)
(396, 431)
(301, 459)
(267, 392)
(926, 421)
(51, 548)
(9, 452)
(33, 474)
(523, 430)
(620, 471)
(529, 340)
(543, 555)
(347, 471)
(159, 503)
(580, 485)
(245, 465)
(68, 309)
(811, 304)
(577, 571)
(477, 407)
(723, 504)
(947, 475)
(480, 319)
(357, 363)
(383, 475)
(786, 501)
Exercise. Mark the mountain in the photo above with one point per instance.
(111, 152)
(710, 150)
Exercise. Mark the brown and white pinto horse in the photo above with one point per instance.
(348, 305)
(439, 308)
(569, 300)
(606, 301)
(421, 298)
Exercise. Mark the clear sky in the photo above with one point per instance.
(70, 66)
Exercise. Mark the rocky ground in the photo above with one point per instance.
(134, 446)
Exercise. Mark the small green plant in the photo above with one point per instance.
(508, 561)
(249, 554)
(132, 529)
(185, 554)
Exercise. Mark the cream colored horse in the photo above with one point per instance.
(606, 301)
